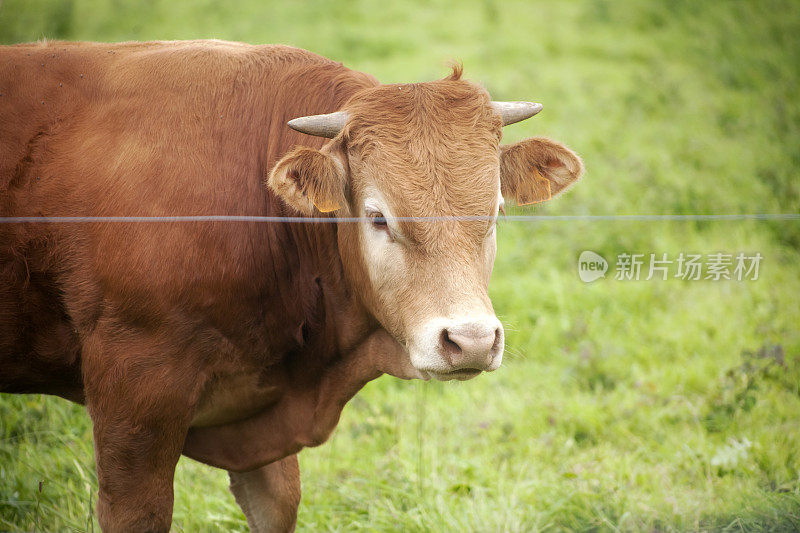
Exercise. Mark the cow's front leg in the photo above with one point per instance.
(140, 396)
(269, 496)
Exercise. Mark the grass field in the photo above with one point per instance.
(622, 405)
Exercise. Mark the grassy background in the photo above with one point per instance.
(622, 405)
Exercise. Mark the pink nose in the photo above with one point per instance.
(471, 346)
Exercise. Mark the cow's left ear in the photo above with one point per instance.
(310, 180)
(535, 170)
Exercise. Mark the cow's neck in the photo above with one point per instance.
(335, 321)
(339, 350)
(308, 320)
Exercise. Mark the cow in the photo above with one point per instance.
(237, 342)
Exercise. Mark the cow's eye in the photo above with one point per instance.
(377, 220)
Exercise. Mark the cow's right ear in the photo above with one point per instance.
(310, 180)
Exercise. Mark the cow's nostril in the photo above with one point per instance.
(449, 347)
(498, 339)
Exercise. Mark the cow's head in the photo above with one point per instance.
(429, 150)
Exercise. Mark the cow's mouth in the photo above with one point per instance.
(462, 374)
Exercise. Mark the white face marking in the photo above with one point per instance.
(383, 257)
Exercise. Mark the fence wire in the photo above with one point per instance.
(336, 220)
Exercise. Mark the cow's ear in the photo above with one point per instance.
(310, 180)
(535, 170)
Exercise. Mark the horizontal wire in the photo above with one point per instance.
(296, 220)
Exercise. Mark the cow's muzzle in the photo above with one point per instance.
(459, 349)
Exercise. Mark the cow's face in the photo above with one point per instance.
(421, 168)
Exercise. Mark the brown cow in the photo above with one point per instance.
(238, 343)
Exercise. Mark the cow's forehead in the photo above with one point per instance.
(431, 148)
(437, 108)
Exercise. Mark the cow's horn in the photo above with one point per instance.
(512, 112)
(320, 125)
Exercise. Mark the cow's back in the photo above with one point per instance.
(149, 129)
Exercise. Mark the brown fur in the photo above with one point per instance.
(553, 166)
(152, 324)
(310, 180)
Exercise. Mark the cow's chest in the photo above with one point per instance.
(234, 398)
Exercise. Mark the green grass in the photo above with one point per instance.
(621, 405)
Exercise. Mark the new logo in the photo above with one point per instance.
(591, 266)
